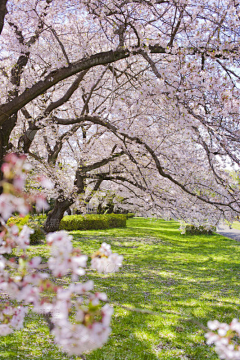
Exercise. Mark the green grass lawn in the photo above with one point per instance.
(236, 225)
(183, 280)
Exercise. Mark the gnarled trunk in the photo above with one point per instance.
(55, 216)
(61, 205)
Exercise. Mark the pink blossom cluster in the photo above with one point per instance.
(15, 169)
(10, 237)
(10, 203)
(14, 199)
(84, 333)
(104, 261)
(24, 280)
(223, 338)
(64, 257)
(11, 319)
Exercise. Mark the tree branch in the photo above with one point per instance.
(102, 58)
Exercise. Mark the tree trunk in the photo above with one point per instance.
(55, 216)
(5, 144)
(61, 205)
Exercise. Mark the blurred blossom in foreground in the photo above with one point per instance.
(24, 280)
(224, 336)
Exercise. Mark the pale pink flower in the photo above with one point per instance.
(105, 249)
(10, 288)
(2, 263)
(5, 329)
(224, 346)
(46, 183)
(213, 325)
(76, 339)
(59, 237)
(7, 206)
(20, 206)
(41, 203)
(35, 278)
(107, 265)
(23, 239)
(19, 182)
(28, 294)
(235, 326)
(18, 317)
(34, 262)
(58, 266)
(82, 288)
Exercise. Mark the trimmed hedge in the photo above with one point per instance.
(34, 222)
(130, 215)
(199, 230)
(92, 222)
(116, 220)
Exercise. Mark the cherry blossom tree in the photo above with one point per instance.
(158, 77)
(161, 77)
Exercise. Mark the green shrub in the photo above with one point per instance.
(34, 222)
(200, 230)
(116, 220)
(79, 222)
(40, 219)
(92, 222)
(130, 215)
(19, 221)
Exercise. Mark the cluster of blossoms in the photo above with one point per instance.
(84, 333)
(104, 261)
(224, 338)
(64, 257)
(74, 314)
(11, 319)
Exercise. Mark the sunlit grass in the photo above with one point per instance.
(236, 225)
(183, 281)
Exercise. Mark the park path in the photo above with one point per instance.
(225, 230)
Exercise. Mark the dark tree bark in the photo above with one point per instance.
(5, 145)
(61, 205)
(55, 216)
(48, 318)
(3, 12)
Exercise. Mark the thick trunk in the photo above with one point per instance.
(61, 205)
(55, 216)
(5, 145)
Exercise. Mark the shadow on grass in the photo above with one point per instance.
(189, 279)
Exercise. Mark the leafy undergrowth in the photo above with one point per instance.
(183, 280)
